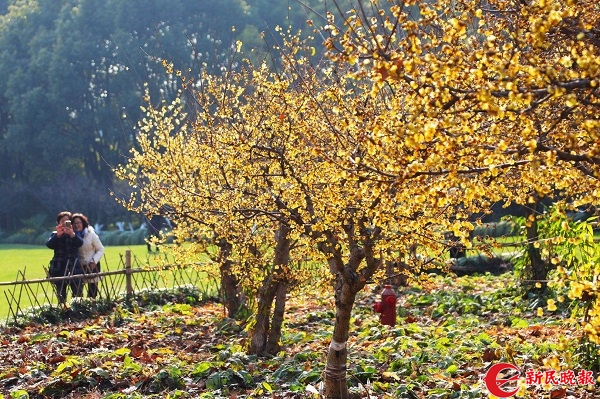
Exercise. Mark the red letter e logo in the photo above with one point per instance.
(494, 384)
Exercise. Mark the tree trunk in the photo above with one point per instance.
(229, 282)
(390, 267)
(348, 282)
(336, 386)
(274, 338)
(266, 333)
(396, 269)
(539, 269)
(258, 339)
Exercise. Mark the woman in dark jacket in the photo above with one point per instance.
(65, 244)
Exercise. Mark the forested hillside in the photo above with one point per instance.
(73, 77)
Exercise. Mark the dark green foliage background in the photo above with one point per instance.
(74, 73)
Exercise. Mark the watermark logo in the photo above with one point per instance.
(498, 385)
(502, 379)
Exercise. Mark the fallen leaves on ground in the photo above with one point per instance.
(448, 333)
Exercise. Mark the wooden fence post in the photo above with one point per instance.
(128, 273)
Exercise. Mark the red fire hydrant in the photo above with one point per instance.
(387, 306)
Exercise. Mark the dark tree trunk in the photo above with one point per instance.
(229, 282)
(396, 269)
(539, 268)
(390, 268)
(348, 282)
(274, 338)
(267, 333)
(258, 339)
(336, 386)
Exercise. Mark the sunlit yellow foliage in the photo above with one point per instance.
(512, 99)
(499, 98)
(423, 115)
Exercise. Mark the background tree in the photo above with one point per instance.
(76, 72)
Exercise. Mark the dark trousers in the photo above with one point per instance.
(74, 283)
(92, 290)
(64, 268)
(149, 244)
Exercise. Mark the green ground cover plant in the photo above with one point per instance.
(449, 331)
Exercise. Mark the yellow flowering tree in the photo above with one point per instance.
(195, 169)
(280, 148)
(499, 96)
(425, 113)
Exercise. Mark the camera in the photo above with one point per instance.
(68, 224)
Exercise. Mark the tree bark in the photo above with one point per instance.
(266, 334)
(258, 339)
(336, 386)
(229, 282)
(348, 282)
(274, 337)
(539, 268)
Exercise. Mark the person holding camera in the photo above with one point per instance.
(90, 252)
(65, 244)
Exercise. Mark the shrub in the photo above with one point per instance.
(19, 238)
(35, 223)
(122, 238)
(137, 237)
(109, 237)
(481, 264)
(113, 237)
(85, 308)
(41, 238)
(500, 229)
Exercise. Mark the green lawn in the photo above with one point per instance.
(30, 260)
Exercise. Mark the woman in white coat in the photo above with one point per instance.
(90, 252)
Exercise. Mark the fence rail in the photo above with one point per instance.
(26, 295)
